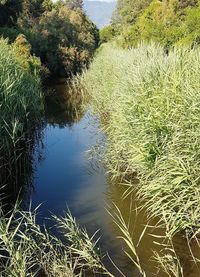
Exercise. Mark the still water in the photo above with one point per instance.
(66, 176)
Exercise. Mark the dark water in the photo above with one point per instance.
(65, 176)
(68, 176)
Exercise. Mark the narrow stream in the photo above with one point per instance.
(66, 176)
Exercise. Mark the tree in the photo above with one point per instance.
(66, 51)
(59, 33)
(31, 10)
(74, 4)
(127, 11)
(168, 22)
(107, 33)
(9, 11)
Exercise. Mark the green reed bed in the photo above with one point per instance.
(149, 103)
(20, 102)
(27, 250)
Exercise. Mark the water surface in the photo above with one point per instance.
(66, 176)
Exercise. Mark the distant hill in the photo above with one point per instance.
(99, 12)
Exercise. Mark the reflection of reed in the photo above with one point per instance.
(147, 236)
(16, 176)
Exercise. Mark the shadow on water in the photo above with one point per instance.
(63, 174)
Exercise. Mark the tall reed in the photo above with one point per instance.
(20, 105)
(27, 250)
(149, 103)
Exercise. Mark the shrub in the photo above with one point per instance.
(23, 55)
(107, 33)
(9, 11)
(167, 22)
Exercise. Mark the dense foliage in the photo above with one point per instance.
(64, 39)
(150, 110)
(60, 33)
(20, 102)
(169, 22)
(107, 33)
(127, 11)
(9, 11)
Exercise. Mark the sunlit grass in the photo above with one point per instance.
(149, 103)
(26, 249)
(20, 105)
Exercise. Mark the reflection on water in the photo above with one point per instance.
(16, 173)
(65, 176)
(153, 239)
(63, 106)
(68, 177)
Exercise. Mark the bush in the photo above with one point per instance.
(107, 33)
(65, 52)
(191, 27)
(63, 38)
(9, 12)
(22, 49)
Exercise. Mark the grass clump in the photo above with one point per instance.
(28, 250)
(149, 103)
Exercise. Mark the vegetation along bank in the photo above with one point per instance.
(149, 107)
(38, 39)
(143, 84)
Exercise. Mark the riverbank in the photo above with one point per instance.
(21, 108)
(149, 105)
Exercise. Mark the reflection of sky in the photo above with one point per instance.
(66, 177)
(63, 167)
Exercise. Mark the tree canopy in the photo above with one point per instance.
(9, 11)
(59, 33)
(168, 22)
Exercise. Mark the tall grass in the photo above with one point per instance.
(149, 103)
(20, 105)
(27, 250)
(164, 259)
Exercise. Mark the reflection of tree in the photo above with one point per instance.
(16, 170)
(63, 106)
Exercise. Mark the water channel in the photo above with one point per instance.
(66, 176)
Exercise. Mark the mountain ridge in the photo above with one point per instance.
(100, 12)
